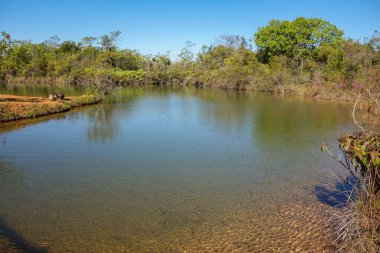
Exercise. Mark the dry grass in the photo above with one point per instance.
(357, 225)
(22, 107)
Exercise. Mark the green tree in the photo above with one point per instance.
(5, 44)
(357, 56)
(160, 65)
(68, 46)
(215, 57)
(88, 41)
(186, 55)
(296, 38)
(108, 41)
(330, 60)
(374, 42)
(53, 41)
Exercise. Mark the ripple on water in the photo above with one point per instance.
(283, 227)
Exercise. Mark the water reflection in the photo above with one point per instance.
(39, 90)
(8, 126)
(106, 117)
(105, 125)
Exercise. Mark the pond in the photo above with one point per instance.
(171, 170)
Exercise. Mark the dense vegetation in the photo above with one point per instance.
(300, 53)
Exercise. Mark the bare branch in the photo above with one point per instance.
(353, 115)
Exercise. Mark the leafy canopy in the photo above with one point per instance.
(292, 38)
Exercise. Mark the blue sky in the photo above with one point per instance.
(160, 26)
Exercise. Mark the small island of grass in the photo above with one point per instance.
(22, 107)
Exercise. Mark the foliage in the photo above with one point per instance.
(5, 44)
(108, 41)
(295, 38)
(362, 150)
(303, 52)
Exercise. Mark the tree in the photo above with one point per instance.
(294, 38)
(53, 41)
(357, 57)
(88, 41)
(232, 41)
(108, 41)
(215, 57)
(186, 55)
(160, 64)
(374, 42)
(5, 44)
(68, 46)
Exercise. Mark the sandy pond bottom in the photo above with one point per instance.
(293, 224)
(293, 227)
(290, 228)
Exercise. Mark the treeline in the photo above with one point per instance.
(304, 52)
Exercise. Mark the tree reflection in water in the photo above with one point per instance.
(105, 125)
(106, 116)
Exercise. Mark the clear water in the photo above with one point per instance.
(160, 170)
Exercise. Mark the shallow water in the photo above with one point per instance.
(159, 170)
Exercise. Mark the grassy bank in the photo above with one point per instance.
(23, 107)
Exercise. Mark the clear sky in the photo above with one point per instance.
(158, 26)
